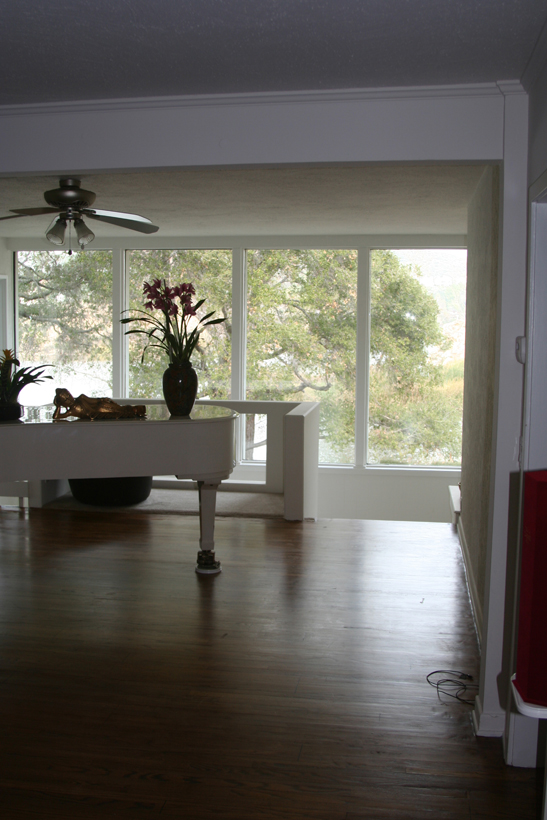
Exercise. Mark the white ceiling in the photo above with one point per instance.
(97, 49)
(311, 200)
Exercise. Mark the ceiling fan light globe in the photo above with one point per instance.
(56, 231)
(83, 233)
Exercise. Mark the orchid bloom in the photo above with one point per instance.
(175, 335)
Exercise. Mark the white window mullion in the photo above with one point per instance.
(239, 324)
(120, 360)
(363, 356)
(239, 340)
(12, 325)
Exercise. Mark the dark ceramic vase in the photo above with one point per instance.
(11, 411)
(180, 387)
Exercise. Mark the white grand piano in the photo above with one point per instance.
(200, 447)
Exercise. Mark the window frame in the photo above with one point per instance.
(363, 244)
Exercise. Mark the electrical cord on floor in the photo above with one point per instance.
(455, 686)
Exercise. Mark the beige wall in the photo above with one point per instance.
(480, 353)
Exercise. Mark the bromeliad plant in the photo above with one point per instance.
(177, 332)
(12, 380)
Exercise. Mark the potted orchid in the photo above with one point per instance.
(176, 331)
(12, 381)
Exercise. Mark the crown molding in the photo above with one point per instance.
(510, 87)
(269, 98)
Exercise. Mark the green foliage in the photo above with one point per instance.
(421, 428)
(404, 325)
(65, 306)
(415, 404)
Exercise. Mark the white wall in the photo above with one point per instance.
(386, 494)
(489, 715)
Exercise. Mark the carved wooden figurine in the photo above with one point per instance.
(84, 407)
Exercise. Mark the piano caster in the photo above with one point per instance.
(207, 565)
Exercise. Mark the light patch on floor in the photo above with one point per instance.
(186, 502)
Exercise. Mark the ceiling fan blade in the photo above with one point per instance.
(15, 216)
(132, 221)
(34, 211)
(19, 212)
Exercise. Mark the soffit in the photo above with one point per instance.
(344, 200)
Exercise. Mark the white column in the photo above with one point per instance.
(489, 714)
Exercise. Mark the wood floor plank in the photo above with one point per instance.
(290, 686)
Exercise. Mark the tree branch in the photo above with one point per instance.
(305, 383)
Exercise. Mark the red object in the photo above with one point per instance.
(531, 677)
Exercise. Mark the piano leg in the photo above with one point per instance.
(207, 565)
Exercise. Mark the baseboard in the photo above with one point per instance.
(486, 725)
(476, 605)
(522, 742)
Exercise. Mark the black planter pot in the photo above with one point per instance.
(111, 492)
(180, 387)
(12, 411)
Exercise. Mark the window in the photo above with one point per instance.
(301, 337)
(376, 334)
(417, 340)
(65, 319)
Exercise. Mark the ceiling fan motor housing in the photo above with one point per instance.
(69, 195)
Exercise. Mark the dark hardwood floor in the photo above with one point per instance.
(290, 686)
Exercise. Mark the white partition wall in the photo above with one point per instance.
(301, 452)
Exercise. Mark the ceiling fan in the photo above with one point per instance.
(72, 203)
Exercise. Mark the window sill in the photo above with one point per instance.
(390, 469)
